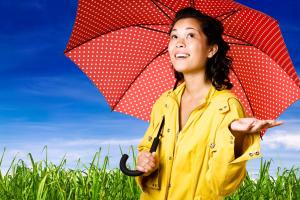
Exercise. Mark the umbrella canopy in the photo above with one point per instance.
(122, 47)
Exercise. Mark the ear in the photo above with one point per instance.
(212, 51)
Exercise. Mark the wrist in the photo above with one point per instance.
(230, 127)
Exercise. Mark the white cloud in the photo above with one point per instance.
(72, 149)
(62, 87)
(282, 138)
(86, 142)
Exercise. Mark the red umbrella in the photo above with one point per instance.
(122, 47)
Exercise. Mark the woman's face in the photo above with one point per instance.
(188, 46)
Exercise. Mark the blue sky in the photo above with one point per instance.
(46, 100)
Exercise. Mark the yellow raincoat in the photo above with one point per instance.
(199, 161)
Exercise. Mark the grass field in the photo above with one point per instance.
(44, 180)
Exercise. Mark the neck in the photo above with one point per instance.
(196, 86)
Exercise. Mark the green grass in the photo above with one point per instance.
(285, 186)
(44, 180)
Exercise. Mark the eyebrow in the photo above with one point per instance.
(188, 28)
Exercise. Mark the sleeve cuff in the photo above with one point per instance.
(251, 148)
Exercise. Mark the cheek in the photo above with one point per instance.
(170, 48)
(200, 50)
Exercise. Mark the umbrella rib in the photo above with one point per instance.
(229, 14)
(159, 54)
(138, 25)
(243, 90)
(245, 42)
(192, 3)
(163, 10)
(239, 44)
(166, 6)
(152, 29)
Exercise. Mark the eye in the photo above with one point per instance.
(173, 36)
(190, 35)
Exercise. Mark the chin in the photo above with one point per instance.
(180, 68)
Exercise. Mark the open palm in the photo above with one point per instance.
(252, 125)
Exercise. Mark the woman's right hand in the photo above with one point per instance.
(146, 162)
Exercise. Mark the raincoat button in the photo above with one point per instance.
(220, 109)
(251, 154)
(168, 130)
(166, 105)
(212, 145)
(149, 138)
(170, 157)
(257, 153)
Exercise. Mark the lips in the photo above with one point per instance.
(181, 55)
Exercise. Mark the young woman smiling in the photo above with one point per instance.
(207, 139)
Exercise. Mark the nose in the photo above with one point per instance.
(180, 43)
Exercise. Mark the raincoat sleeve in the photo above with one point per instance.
(150, 134)
(225, 171)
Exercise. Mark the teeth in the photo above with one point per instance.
(181, 55)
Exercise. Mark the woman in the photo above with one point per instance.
(204, 145)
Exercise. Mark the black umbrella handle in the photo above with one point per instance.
(153, 148)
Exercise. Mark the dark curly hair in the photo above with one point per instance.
(217, 67)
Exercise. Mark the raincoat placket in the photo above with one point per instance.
(196, 113)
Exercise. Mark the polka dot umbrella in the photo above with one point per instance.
(122, 47)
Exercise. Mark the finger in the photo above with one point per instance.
(151, 164)
(140, 168)
(253, 122)
(273, 123)
(149, 167)
(147, 154)
(140, 163)
(143, 163)
(265, 124)
(251, 125)
(258, 125)
(152, 158)
(141, 154)
(141, 158)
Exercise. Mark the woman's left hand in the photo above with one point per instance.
(252, 125)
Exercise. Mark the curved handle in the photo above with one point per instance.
(127, 171)
(153, 148)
